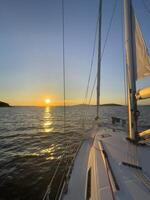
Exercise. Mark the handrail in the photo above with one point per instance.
(65, 184)
(49, 186)
(107, 167)
(64, 179)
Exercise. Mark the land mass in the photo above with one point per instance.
(111, 104)
(3, 104)
(107, 104)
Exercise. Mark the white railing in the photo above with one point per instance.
(63, 184)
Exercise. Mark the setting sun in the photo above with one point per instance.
(47, 101)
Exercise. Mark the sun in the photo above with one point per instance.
(47, 101)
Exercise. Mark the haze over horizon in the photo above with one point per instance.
(31, 51)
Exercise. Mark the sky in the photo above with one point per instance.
(31, 50)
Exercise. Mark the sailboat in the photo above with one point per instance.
(111, 163)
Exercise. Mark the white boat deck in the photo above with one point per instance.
(104, 157)
(80, 165)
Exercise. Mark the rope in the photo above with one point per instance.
(103, 50)
(64, 82)
(64, 67)
(46, 196)
(64, 76)
(123, 55)
(99, 60)
(92, 90)
(105, 42)
(129, 149)
(84, 116)
(91, 65)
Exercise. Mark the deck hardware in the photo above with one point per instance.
(88, 189)
(132, 165)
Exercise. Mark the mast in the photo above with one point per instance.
(131, 66)
(99, 58)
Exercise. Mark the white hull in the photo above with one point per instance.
(99, 173)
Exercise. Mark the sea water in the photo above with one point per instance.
(33, 141)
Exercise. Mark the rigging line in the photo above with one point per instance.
(128, 156)
(91, 66)
(99, 59)
(123, 55)
(90, 73)
(92, 90)
(64, 68)
(105, 42)
(103, 50)
(109, 28)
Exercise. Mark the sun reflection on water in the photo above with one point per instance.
(51, 152)
(47, 125)
(53, 158)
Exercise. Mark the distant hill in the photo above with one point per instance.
(81, 105)
(3, 104)
(107, 104)
(111, 104)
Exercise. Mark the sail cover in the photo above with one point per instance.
(142, 57)
(143, 93)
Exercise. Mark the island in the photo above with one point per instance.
(111, 104)
(3, 104)
(107, 104)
